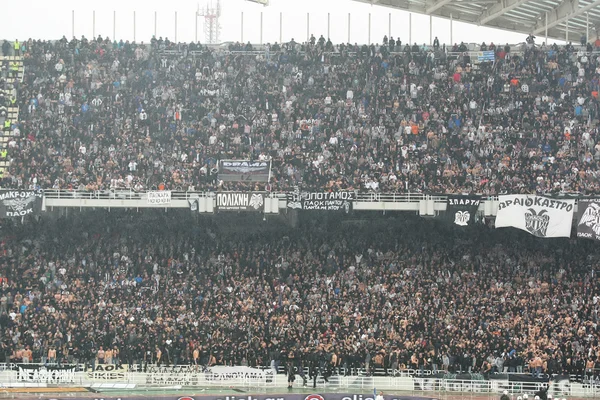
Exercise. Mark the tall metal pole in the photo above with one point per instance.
(175, 26)
(390, 25)
(73, 23)
(328, 26)
(567, 32)
(242, 25)
(93, 24)
(348, 27)
(369, 36)
(409, 29)
(115, 25)
(307, 27)
(587, 27)
(261, 27)
(451, 20)
(196, 32)
(155, 22)
(134, 26)
(280, 27)
(431, 30)
(546, 28)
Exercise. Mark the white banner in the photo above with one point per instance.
(225, 373)
(195, 376)
(43, 374)
(159, 197)
(541, 216)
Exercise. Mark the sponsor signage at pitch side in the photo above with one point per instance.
(328, 396)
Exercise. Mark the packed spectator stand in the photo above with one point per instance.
(100, 115)
(338, 294)
(97, 114)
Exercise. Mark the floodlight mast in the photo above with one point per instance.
(212, 27)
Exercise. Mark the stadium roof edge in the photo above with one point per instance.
(562, 19)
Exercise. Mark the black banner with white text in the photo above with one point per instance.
(588, 219)
(325, 201)
(244, 171)
(240, 201)
(19, 203)
(461, 210)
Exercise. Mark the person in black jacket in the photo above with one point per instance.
(543, 393)
(291, 374)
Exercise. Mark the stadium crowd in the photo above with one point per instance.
(402, 293)
(96, 115)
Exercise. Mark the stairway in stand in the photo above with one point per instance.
(13, 109)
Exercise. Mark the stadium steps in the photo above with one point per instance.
(13, 112)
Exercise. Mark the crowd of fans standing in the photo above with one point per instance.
(401, 293)
(97, 115)
(155, 288)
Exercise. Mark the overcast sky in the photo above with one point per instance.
(52, 19)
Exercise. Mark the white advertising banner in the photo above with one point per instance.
(541, 216)
(159, 197)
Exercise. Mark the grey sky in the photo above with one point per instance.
(52, 19)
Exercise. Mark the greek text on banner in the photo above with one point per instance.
(159, 197)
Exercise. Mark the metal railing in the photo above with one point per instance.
(368, 197)
(131, 380)
(117, 194)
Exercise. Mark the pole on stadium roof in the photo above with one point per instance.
(280, 27)
(93, 23)
(409, 29)
(155, 22)
(175, 26)
(390, 25)
(431, 30)
(451, 20)
(546, 28)
(369, 37)
(242, 26)
(587, 26)
(567, 32)
(73, 23)
(307, 27)
(134, 27)
(261, 28)
(328, 25)
(348, 27)
(115, 25)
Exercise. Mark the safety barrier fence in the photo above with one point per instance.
(268, 202)
(128, 194)
(354, 384)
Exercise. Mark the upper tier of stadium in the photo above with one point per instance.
(96, 114)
